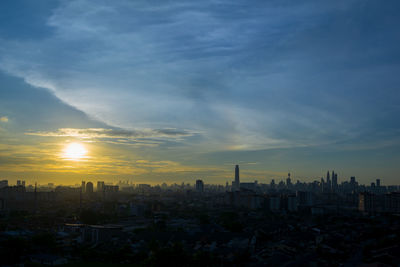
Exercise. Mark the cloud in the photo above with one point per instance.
(4, 119)
(114, 133)
(142, 137)
(251, 76)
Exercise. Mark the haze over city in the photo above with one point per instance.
(173, 91)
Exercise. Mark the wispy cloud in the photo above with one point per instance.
(113, 133)
(145, 137)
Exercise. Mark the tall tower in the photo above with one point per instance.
(334, 182)
(328, 182)
(237, 180)
(288, 181)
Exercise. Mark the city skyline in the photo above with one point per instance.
(331, 180)
(179, 91)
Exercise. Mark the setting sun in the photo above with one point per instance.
(74, 151)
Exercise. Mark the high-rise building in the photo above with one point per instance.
(322, 188)
(89, 188)
(392, 202)
(353, 183)
(3, 183)
(378, 182)
(272, 184)
(100, 186)
(288, 181)
(199, 186)
(83, 187)
(237, 179)
(334, 182)
(328, 185)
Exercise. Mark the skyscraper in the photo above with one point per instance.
(353, 183)
(288, 181)
(89, 188)
(328, 182)
(237, 179)
(199, 186)
(334, 182)
(83, 187)
(100, 186)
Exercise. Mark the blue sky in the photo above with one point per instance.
(304, 86)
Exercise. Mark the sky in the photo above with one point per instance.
(182, 90)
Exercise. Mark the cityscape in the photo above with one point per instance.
(199, 133)
(241, 223)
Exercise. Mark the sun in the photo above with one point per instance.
(74, 151)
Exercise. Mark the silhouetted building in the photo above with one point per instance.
(392, 202)
(237, 179)
(328, 185)
(199, 186)
(100, 186)
(353, 184)
(288, 181)
(89, 188)
(249, 186)
(83, 187)
(369, 202)
(3, 183)
(334, 182)
(272, 184)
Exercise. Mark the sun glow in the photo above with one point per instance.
(74, 151)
